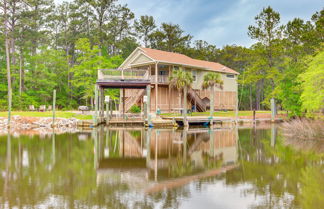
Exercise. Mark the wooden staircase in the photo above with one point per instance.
(130, 101)
(194, 98)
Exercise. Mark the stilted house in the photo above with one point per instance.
(159, 65)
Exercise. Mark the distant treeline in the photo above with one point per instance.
(61, 46)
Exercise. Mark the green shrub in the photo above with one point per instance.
(135, 109)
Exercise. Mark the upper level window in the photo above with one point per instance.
(163, 72)
(194, 75)
(230, 76)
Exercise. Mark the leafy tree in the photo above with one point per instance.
(87, 64)
(312, 96)
(212, 80)
(170, 38)
(144, 27)
(268, 32)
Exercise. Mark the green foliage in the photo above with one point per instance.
(212, 79)
(61, 46)
(87, 64)
(181, 79)
(312, 96)
(170, 38)
(288, 91)
(135, 109)
(144, 28)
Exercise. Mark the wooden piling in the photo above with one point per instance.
(148, 104)
(107, 113)
(96, 106)
(54, 103)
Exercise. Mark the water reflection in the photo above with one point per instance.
(159, 168)
(154, 155)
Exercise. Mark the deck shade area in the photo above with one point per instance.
(118, 79)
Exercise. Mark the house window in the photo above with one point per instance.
(194, 75)
(163, 72)
(230, 76)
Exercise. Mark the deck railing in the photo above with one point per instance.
(163, 79)
(123, 74)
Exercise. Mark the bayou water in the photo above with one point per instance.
(159, 168)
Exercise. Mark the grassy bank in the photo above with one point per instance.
(59, 114)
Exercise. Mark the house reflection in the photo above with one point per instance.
(155, 155)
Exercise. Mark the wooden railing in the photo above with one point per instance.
(123, 74)
(162, 79)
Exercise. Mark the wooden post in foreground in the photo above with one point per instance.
(124, 98)
(107, 109)
(54, 103)
(95, 118)
(253, 115)
(273, 109)
(148, 105)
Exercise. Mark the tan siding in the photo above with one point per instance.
(141, 59)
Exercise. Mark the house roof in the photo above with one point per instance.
(176, 58)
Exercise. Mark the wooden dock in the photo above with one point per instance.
(205, 120)
(169, 122)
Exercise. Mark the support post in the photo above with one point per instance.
(156, 86)
(148, 104)
(54, 103)
(102, 104)
(170, 98)
(254, 116)
(107, 113)
(96, 106)
(273, 109)
(124, 104)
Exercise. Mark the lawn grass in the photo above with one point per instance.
(58, 114)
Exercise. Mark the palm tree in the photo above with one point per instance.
(212, 80)
(182, 80)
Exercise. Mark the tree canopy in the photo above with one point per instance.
(61, 45)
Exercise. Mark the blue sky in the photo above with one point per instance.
(220, 22)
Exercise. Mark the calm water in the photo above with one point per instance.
(159, 168)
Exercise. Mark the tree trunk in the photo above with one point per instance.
(20, 74)
(7, 59)
(251, 100)
(212, 103)
(259, 91)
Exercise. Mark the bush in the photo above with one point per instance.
(135, 109)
